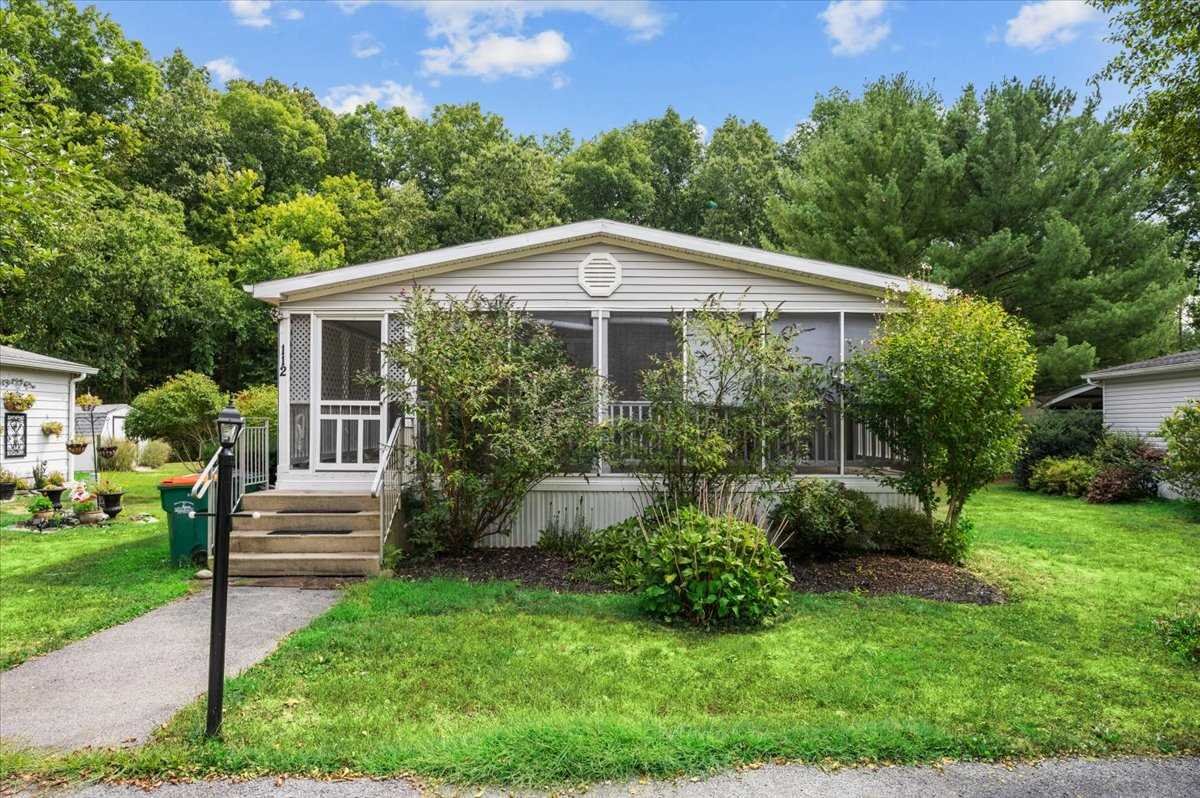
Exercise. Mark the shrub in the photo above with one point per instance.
(713, 570)
(154, 454)
(1057, 433)
(905, 531)
(732, 391)
(22, 484)
(1181, 467)
(1180, 633)
(259, 402)
(182, 411)
(568, 540)
(815, 517)
(1129, 468)
(39, 504)
(615, 555)
(1067, 476)
(124, 458)
(943, 385)
(499, 406)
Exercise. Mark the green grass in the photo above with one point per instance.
(60, 587)
(494, 684)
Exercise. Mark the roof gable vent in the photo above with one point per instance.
(599, 274)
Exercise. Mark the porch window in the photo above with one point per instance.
(634, 341)
(575, 331)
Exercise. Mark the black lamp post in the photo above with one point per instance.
(229, 426)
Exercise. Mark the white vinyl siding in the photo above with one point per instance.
(650, 281)
(53, 403)
(1139, 404)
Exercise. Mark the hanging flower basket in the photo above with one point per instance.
(52, 429)
(107, 452)
(18, 402)
(77, 445)
(87, 401)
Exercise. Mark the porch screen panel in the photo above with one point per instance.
(634, 340)
(816, 338)
(349, 360)
(300, 391)
(860, 328)
(574, 330)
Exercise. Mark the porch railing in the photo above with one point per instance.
(821, 447)
(391, 476)
(251, 467)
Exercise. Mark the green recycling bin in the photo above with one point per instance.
(188, 537)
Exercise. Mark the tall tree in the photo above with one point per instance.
(674, 146)
(273, 136)
(737, 178)
(610, 176)
(872, 185)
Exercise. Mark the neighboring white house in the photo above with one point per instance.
(608, 289)
(1138, 396)
(109, 421)
(52, 383)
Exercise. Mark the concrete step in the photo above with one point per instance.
(309, 501)
(307, 522)
(344, 564)
(261, 541)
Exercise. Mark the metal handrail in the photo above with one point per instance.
(207, 476)
(384, 452)
(389, 477)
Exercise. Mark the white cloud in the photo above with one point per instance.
(559, 81)
(856, 26)
(252, 13)
(223, 68)
(495, 56)
(364, 45)
(388, 94)
(1040, 26)
(293, 14)
(487, 39)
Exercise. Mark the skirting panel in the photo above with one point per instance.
(608, 500)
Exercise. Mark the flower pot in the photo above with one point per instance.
(107, 452)
(76, 448)
(16, 405)
(54, 494)
(92, 517)
(110, 503)
(7, 489)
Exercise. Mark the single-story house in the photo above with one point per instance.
(1138, 396)
(607, 288)
(52, 383)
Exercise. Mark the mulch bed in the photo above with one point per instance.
(873, 574)
(530, 567)
(885, 574)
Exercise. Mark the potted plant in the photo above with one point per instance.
(41, 508)
(77, 444)
(107, 451)
(18, 402)
(52, 429)
(8, 484)
(54, 488)
(109, 495)
(87, 512)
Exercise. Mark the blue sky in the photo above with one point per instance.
(589, 66)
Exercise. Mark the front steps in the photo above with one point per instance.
(303, 533)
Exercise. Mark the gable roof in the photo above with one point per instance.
(1180, 361)
(11, 356)
(596, 230)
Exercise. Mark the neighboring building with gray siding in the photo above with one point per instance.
(1138, 396)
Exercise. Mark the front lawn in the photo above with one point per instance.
(488, 683)
(65, 585)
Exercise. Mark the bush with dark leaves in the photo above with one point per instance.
(1057, 433)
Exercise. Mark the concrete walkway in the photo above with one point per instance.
(115, 687)
(1076, 778)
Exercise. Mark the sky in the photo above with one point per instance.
(590, 65)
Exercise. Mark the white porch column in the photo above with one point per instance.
(841, 400)
(284, 432)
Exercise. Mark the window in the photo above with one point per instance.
(634, 340)
(349, 357)
(859, 329)
(575, 332)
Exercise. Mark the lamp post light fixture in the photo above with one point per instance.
(229, 426)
